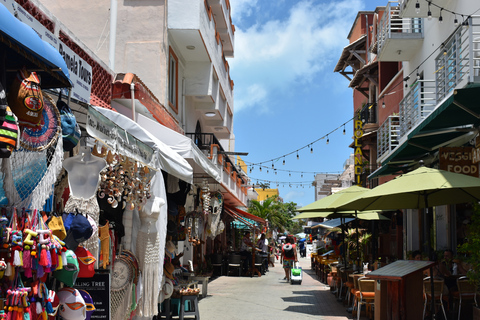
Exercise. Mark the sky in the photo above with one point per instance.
(287, 99)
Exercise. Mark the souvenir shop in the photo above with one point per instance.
(84, 219)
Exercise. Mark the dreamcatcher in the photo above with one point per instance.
(31, 171)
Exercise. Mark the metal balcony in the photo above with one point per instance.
(398, 38)
(459, 61)
(417, 104)
(388, 136)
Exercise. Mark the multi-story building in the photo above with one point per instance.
(170, 66)
(415, 66)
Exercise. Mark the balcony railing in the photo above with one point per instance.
(417, 104)
(369, 113)
(394, 27)
(204, 140)
(388, 135)
(459, 61)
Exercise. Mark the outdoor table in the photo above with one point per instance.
(402, 296)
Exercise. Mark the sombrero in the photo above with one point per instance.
(168, 288)
(168, 269)
(46, 133)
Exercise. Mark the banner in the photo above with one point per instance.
(109, 133)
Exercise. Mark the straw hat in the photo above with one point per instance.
(168, 288)
(170, 249)
(168, 269)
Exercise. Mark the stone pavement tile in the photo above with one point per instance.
(271, 297)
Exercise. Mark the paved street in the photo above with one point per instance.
(270, 297)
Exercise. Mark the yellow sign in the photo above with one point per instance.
(358, 156)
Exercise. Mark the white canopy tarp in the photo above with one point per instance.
(164, 157)
(181, 144)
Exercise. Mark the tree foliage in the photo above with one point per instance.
(277, 213)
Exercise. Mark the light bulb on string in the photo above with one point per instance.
(275, 171)
(440, 18)
(289, 174)
(267, 170)
(429, 13)
(311, 149)
(343, 129)
(297, 156)
(301, 175)
(417, 7)
(283, 160)
(418, 76)
(383, 105)
(273, 165)
(260, 168)
(328, 140)
(455, 21)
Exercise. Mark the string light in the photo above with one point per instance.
(429, 14)
(260, 168)
(301, 175)
(417, 7)
(343, 129)
(311, 149)
(383, 105)
(283, 160)
(273, 165)
(455, 21)
(298, 156)
(328, 140)
(440, 18)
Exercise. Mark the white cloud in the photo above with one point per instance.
(242, 8)
(273, 57)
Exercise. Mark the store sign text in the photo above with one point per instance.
(358, 133)
(458, 160)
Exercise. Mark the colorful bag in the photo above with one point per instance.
(26, 98)
(9, 134)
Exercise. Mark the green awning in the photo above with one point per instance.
(453, 120)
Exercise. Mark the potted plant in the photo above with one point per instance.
(471, 250)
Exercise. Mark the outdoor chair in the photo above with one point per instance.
(235, 262)
(438, 296)
(466, 291)
(259, 263)
(217, 262)
(366, 295)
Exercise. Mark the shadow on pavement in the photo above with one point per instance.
(315, 302)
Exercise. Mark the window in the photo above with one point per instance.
(173, 81)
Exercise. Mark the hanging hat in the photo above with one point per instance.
(168, 288)
(68, 274)
(170, 249)
(90, 308)
(72, 305)
(168, 269)
(80, 231)
(86, 263)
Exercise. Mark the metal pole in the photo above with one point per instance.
(430, 254)
(358, 247)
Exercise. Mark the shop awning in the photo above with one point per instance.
(245, 215)
(240, 218)
(450, 124)
(183, 145)
(23, 47)
(330, 224)
(163, 156)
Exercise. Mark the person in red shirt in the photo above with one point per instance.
(289, 256)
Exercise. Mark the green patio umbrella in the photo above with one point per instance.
(312, 214)
(419, 189)
(332, 202)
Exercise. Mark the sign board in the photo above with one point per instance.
(107, 131)
(458, 160)
(80, 71)
(99, 289)
(358, 157)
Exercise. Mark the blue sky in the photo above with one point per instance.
(286, 93)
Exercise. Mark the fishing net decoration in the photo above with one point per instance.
(31, 171)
